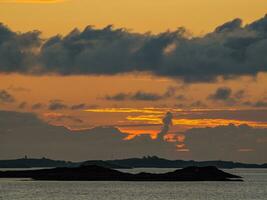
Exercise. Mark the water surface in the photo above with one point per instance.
(253, 188)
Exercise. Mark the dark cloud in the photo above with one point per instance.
(198, 104)
(230, 142)
(57, 105)
(167, 122)
(261, 104)
(78, 106)
(17, 50)
(118, 97)
(170, 92)
(180, 97)
(22, 105)
(62, 118)
(145, 96)
(240, 94)
(230, 26)
(137, 96)
(5, 97)
(142, 96)
(258, 104)
(25, 134)
(226, 95)
(37, 106)
(253, 115)
(223, 93)
(231, 50)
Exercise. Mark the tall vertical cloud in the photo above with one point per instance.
(167, 122)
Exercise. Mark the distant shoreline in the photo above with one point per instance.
(145, 162)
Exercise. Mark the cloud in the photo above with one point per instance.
(17, 50)
(22, 105)
(78, 106)
(37, 106)
(223, 94)
(57, 105)
(230, 51)
(257, 104)
(226, 95)
(143, 96)
(230, 26)
(167, 122)
(137, 96)
(59, 117)
(198, 104)
(25, 134)
(5, 97)
(228, 143)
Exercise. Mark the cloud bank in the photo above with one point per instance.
(24, 134)
(231, 50)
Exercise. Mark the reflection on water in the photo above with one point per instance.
(254, 187)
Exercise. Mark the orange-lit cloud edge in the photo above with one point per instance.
(154, 116)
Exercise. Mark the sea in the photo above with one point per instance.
(254, 187)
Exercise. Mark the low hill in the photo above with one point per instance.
(145, 162)
(96, 173)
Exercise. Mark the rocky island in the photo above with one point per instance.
(98, 173)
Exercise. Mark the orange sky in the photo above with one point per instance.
(140, 16)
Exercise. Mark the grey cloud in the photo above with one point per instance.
(231, 50)
(223, 93)
(25, 134)
(57, 105)
(37, 106)
(142, 96)
(78, 106)
(239, 143)
(17, 50)
(22, 105)
(230, 26)
(258, 104)
(261, 104)
(63, 117)
(167, 122)
(145, 96)
(118, 97)
(227, 95)
(254, 115)
(180, 97)
(198, 104)
(5, 97)
(137, 96)
(240, 94)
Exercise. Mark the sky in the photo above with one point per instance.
(167, 75)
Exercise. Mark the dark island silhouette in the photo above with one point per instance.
(144, 162)
(98, 173)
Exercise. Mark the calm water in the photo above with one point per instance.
(254, 187)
